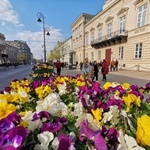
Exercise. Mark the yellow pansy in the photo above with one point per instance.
(97, 114)
(130, 100)
(126, 85)
(6, 97)
(15, 84)
(39, 91)
(137, 101)
(6, 109)
(24, 124)
(80, 83)
(143, 130)
(43, 91)
(107, 85)
(25, 82)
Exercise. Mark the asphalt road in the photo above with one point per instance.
(6, 76)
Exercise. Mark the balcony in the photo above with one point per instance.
(114, 38)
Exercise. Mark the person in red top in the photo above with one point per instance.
(105, 69)
(58, 67)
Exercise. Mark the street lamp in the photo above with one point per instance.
(45, 30)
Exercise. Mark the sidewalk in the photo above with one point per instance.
(145, 75)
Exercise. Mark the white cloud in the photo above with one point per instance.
(8, 14)
(35, 40)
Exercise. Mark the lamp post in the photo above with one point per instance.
(45, 30)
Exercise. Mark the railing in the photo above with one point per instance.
(110, 36)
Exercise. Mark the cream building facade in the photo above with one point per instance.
(120, 31)
(3, 52)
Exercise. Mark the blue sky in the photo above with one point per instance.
(18, 20)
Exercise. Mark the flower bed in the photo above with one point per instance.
(72, 113)
(42, 71)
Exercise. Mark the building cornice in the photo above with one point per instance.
(99, 25)
(122, 10)
(138, 1)
(109, 19)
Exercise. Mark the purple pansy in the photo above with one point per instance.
(51, 127)
(86, 133)
(65, 142)
(41, 115)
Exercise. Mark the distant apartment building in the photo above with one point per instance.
(3, 52)
(120, 31)
(24, 53)
(66, 51)
(12, 52)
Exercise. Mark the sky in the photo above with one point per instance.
(18, 20)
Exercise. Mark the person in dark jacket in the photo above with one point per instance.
(105, 69)
(94, 71)
(116, 65)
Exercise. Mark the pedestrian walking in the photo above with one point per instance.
(116, 65)
(86, 69)
(58, 67)
(112, 65)
(104, 69)
(94, 71)
(81, 65)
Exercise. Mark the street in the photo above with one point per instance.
(6, 76)
(132, 77)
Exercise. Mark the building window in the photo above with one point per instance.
(86, 55)
(99, 55)
(86, 40)
(92, 37)
(122, 25)
(141, 20)
(121, 52)
(138, 50)
(99, 34)
(81, 42)
(92, 56)
(109, 30)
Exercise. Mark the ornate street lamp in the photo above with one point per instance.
(45, 30)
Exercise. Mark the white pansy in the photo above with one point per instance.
(61, 89)
(32, 125)
(91, 121)
(13, 93)
(115, 112)
(107, 116)
(87, 99)
(40, 147)
(45, 137)
(55, 144)
(112, 115)
(6, 93)
(77, 89)
(127, 142)
(122, 145)
(124, 114)
(132, 144)
(23, 94)
(59, 109)
(78, 109)
(48, 102)
(115, 84)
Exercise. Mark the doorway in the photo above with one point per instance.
(108, 55)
